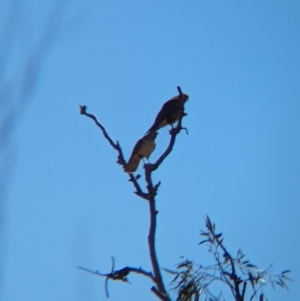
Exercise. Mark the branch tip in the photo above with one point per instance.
(82, 109)
(179, 90)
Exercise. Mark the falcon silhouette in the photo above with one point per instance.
(169, 113)
(142, 149)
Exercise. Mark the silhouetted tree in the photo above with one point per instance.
(191, 280)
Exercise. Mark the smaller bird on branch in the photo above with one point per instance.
(170, 112)
(142, 149)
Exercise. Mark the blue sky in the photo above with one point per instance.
(69, 204)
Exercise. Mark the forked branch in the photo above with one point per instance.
(159, 288)
(117, 147)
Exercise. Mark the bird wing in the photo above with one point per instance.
(168, 109)
(143, 148)
(148, 145)
(135, 158)
(132, 163)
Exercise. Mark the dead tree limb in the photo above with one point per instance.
(159, 289)
(117, 147)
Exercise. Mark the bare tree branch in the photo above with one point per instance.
(159, 294)
(159, 290)
(152, 191)
(119, 274)
(118, 148)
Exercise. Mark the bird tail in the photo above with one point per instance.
(132, 164)
(152, 129)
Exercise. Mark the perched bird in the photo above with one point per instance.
(169, 113)
(142, 149)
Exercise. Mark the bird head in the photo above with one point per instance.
(184, 97)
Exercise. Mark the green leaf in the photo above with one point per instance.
(277, 282)
(283, 283)
(287, 278)
(170, 271)
(204, 233)
(175, 279)
(219, 235)
(286, 271)
(250, 265)
(208, 223)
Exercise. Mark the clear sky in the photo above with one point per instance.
(69, 204)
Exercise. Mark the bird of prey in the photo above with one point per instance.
(169, 113)
(142, 149)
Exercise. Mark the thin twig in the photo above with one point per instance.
(119, 275)
(114, 145)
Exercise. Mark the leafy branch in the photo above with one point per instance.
(237, 273)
